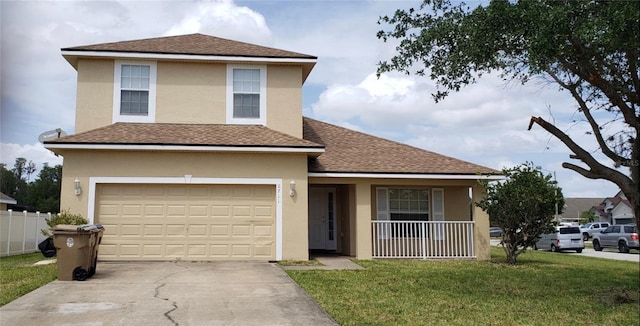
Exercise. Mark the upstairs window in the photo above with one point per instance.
(134, 92)
(246, 94)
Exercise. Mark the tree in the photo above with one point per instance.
(587, 216)
(44, 192)
(590, 49)
(8, 182)
(524, 206)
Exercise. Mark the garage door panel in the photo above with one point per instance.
(190, 222)
(175, 230)
(197, 230)
(241, 211)
(151, 230)
(220, 211)
(153, 210)
(198, 210)
(130, 230)
(263, 211)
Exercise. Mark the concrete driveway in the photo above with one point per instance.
(170, 293)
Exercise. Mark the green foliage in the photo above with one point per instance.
(587, 216)
(589, 49)
(42, 194)
(524, 206)
(63, 218)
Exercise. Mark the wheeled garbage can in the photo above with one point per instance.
(77, 251)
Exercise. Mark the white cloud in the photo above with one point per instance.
(32, 152)
(224, 19)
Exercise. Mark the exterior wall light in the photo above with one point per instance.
(292, 188)
(76, 187)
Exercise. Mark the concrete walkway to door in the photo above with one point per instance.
(170, 293)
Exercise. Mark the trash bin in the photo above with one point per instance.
(76, 248)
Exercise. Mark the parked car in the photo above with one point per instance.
(623, 237)
(589, 229)
(495, 232)
(565, 238)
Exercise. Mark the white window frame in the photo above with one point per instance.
(262, 120)
(151, 114)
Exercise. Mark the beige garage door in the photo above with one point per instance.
(186, 222)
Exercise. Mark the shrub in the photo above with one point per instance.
(63, 218)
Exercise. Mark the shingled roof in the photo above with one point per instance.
(342, 150)
(193, 44)
(185, 135)
(349, 151)
(190, 47)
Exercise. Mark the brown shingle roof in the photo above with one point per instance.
(192, 44)
(186, 135)
(348, 151)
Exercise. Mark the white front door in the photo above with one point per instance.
(322, 218)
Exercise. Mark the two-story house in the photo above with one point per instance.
(194, 147)
(615, 210)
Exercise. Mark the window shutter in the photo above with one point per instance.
(437, 195)
(382, 209)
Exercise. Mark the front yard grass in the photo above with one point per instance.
(18, 276)
(544, 288)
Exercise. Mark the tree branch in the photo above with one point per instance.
(591, 75)
(587, 113)
(598, 171)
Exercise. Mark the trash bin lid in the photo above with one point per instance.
(65, 227)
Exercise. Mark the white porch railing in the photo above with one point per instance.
(20, 232)
(422, 239)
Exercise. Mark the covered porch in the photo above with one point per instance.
(402, 218)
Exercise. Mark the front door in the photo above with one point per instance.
(322, 218)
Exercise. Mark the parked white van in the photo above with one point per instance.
(565, 238)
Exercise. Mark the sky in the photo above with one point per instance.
(485, 123)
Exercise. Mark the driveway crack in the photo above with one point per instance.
(173, 303)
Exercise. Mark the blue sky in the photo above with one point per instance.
(485, 123)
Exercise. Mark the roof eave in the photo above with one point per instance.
(72, 57)
(53, 146)
(377, 175)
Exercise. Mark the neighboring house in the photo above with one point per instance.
(615, 210)
(194, 147)
(6, 200)
(574, 207)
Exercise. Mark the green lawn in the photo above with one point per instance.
(542, 289)
(18, 276)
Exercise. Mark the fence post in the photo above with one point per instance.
(9, 233)
(24, 232)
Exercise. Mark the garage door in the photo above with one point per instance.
(186, 222)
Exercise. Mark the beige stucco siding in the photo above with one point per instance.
(188, 92)
(94, 99)
(284, 99)
(191, 92)
(286, 167)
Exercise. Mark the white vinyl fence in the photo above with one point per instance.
(20, 232)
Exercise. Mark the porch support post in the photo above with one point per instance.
(481, 238)
(363, 220)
